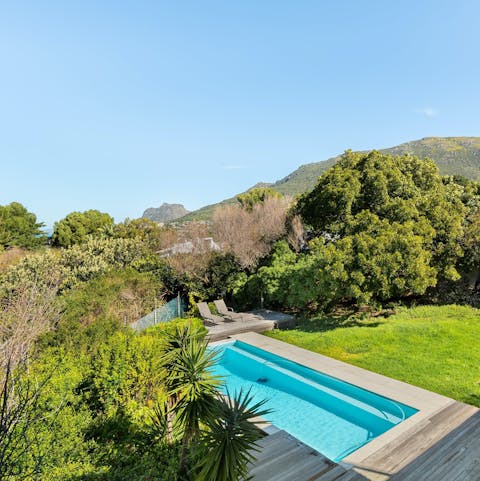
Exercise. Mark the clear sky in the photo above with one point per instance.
(122, 105)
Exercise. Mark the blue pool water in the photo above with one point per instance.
(331, 416)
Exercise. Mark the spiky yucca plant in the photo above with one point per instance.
(216, 433)
(190, 387)
(229, 439)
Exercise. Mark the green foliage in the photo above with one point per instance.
(124, 372)
(77, 226)
(471, 241)
(380, 262)
(221, 270)
(256, 196)
(96, 309)
(230, 438)
(69, 267)
(19, 228)
(40, 268)
(167, 329)
(216, 434)
(98, 421)
(283, 281)
(378, 195)
(97, 256)
(53, 424)
(145, 230)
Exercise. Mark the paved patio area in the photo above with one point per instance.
(439, 443)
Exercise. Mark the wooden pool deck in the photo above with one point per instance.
(441, 442)
(265, 320)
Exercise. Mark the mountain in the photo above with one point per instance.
(206, 212)
(166, 212)
(453, 156)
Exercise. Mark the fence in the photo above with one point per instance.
(171, 310)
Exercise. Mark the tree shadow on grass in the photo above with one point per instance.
(328, 322)
(473, 399)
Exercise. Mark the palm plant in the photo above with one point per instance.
(190, 386)
(216, 433)
(229, 440)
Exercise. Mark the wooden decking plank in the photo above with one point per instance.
(431, 429)
(333, 474)
(271, 446)
(417, 440)
(282, 455)
(455, 451)
(285, 458)
(471, 472)
(287, 464)
(444, 449)
(303, 470)
(350, 475)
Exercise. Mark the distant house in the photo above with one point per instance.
(197, 246)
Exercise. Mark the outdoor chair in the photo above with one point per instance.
(204, 311)
(229, 312)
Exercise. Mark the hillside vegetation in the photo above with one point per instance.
(100, 402)
(453, 156)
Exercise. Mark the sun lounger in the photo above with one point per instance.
(204, 311)
(229, 312)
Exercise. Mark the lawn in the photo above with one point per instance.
(434, 347)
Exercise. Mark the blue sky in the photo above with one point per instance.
(122, 105)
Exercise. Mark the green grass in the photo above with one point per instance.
(434, 347)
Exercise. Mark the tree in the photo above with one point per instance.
(256, 196)
(21, 422)
(29, 312)
(382, 228)
(77, 226)
(397, 189)
(470, 262)
(190, 387)
(20, 228)
(250, 233)
(66, 268)
(154, 236)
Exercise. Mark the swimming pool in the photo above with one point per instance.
(330, 415)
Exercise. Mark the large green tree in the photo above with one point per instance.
(382, 227)
(398, 189)
(20, 228)
(77, 226)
